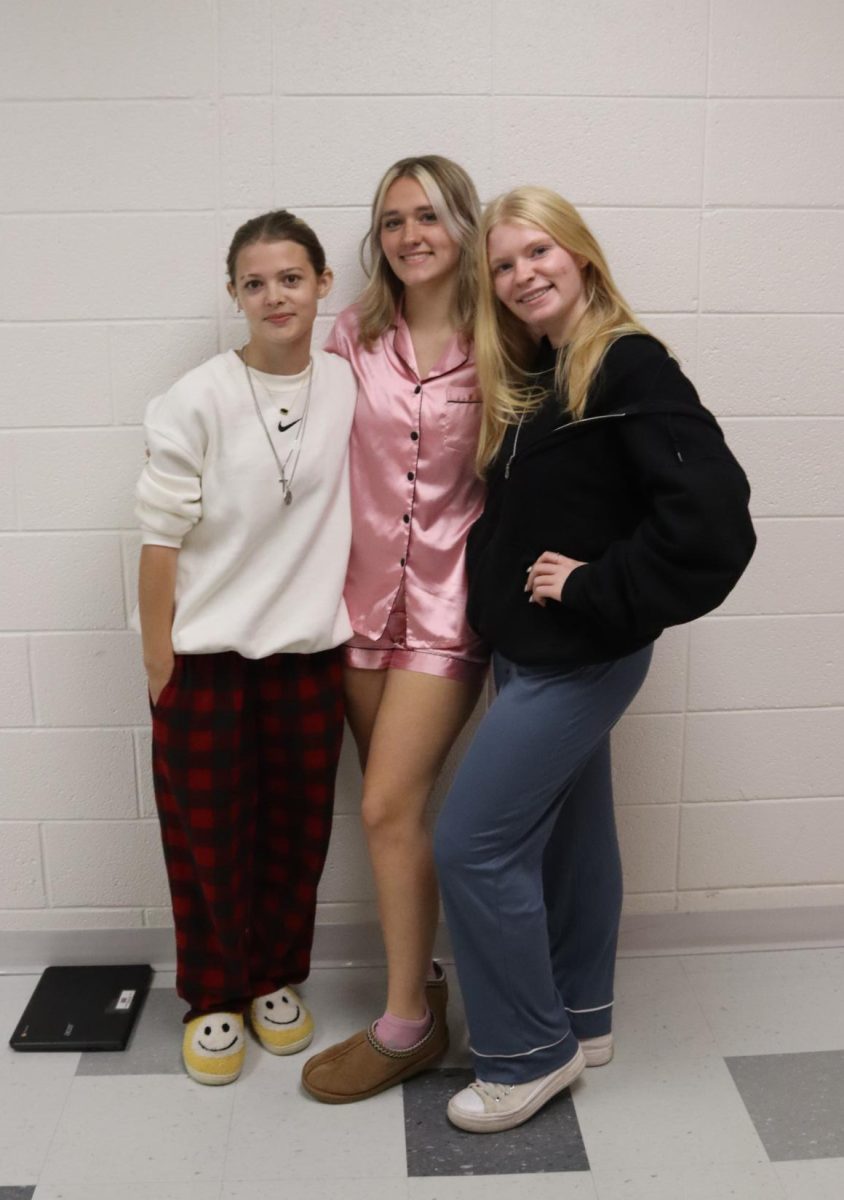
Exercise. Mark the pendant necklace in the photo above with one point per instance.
(515, 446)
(284, 479)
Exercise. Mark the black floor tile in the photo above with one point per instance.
(796, 1102)
(550, 1141)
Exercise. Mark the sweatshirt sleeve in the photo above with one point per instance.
(168, 496)
(696, 537)
(343, 337)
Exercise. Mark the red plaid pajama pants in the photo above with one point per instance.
(244, 758)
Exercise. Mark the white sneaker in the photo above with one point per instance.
(491, 1107)
(597, 1050)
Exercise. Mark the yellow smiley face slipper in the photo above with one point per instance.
(281, 1022)
(213, 1047)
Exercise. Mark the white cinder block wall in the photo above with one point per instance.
(701, 137)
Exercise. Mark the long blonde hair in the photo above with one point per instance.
(503, 347)
(453, 197)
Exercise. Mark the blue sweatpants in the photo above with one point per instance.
(529, 867)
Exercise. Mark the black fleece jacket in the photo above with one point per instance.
(643, 490)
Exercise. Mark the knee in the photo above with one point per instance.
(385, 816)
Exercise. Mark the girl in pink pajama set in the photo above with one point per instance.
(413, 669)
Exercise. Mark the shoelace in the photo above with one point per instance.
(492, 1091)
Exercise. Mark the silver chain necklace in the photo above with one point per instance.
(515, 445)
(284, 479)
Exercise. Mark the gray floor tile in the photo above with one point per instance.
(551, 1141)
(796, 1102)
(154, 1047)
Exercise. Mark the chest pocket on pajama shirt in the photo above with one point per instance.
(461, 418)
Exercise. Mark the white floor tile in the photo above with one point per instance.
(656, 1013)
(164, 979)
(278, 1132)
(781, 962)
(141, 1129)
(32, 1109)
(771, 1003)
(127, 1191)
(821, 1179)
(342, 1001)
(718, 1182)
(576, 1185)
(664, 1114)
(349, 1189)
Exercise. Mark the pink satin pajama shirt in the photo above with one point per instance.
(414, 495)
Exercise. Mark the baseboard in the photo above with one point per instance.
(361, 945)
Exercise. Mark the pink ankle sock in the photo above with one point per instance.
(400, 1034)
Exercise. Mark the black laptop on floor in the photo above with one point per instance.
(83, 1008)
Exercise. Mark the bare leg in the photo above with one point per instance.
(404, 724)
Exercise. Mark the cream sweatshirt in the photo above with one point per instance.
(254, 575)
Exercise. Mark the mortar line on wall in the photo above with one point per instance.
(352, 206)
(36, 716)
(754, 887)
(124, 593)
(754, 801)
(783, 416)
(98, 322)
(110, 377)
(794, 516)
(76, 428)
(136, 762)
(45, 875)
(759, 315)
(688, 647)
(340, 97)
(694, 712)
(716, 616)
(13, 460)
(75, 632)
(274, 98)
(44, 533)
(70, 213)
(218, 174)
(125, 821)
(491, 105)
(102, 530)
(764, 315)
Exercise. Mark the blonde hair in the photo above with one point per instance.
(504, 348)
(453, 198)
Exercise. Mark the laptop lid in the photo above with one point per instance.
(83, 1008)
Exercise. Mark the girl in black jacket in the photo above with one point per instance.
(614, 509)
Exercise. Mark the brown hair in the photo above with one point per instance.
(277, 226)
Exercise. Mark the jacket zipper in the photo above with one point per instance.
(560, 429)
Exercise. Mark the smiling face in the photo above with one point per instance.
(539, 281)
(416, 244)
(278, 289)
(218, 1034)
(280, 1009)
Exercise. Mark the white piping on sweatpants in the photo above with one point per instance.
(522, 1053)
